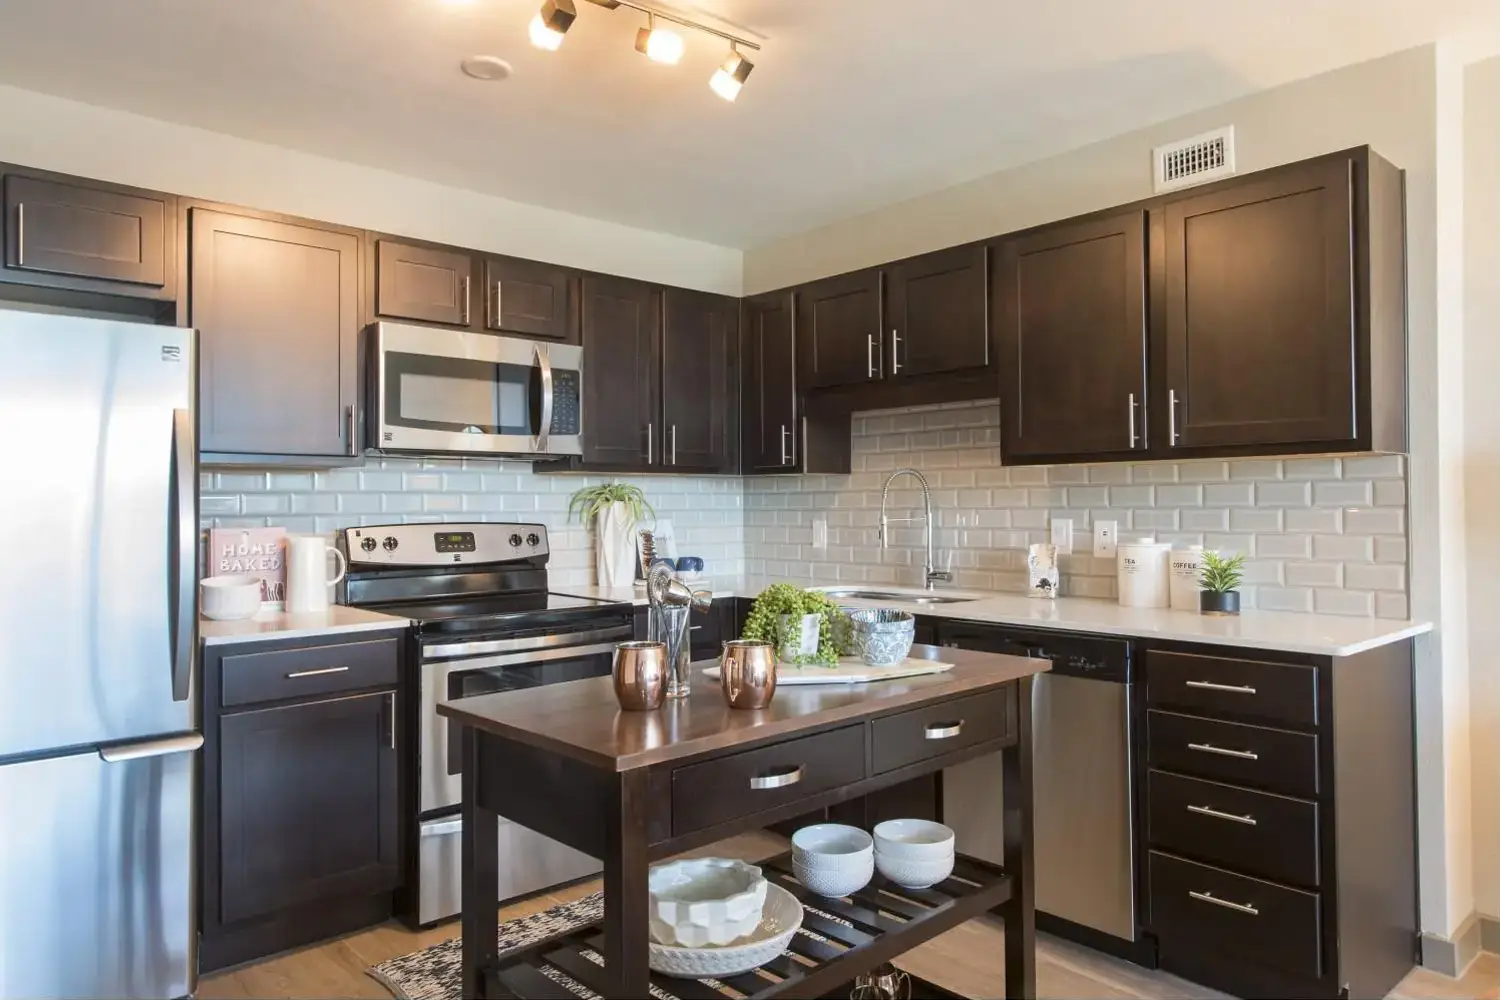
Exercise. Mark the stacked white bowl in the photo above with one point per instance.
(914, 853)
(832, 859)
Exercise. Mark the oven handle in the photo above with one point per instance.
(532, 656)
(545, 427)
(535, 642)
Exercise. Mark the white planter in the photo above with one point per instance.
(614, 546)
(798, 637)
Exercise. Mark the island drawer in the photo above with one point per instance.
(1198, 906)
(1273, 836)
(724, 789)
(923, 733)
(1278, 692)
(1273, 759)
(303, 671)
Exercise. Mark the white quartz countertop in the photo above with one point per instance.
(337, 620)
(1283, 631)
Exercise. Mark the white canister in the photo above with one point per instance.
(1186, 565)
(307, 580)
(1041, 569)
(1141, 570)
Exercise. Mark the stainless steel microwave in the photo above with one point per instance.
(435, 391)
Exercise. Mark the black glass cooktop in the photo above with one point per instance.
(501, 611)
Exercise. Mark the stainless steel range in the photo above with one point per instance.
(484, 622)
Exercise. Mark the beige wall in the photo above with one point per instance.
(52, 133)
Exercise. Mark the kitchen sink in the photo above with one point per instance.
(887, 595)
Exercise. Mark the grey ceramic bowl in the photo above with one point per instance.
(881, 636)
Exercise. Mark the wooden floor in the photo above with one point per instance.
(967, 959)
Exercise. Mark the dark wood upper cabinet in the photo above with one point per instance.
(839, 330)
(530, 298)
(698, 335)
(89, 236)
(276, 305)
(621, 326)
(936, 313)
(1070, 305)
(430, 284)
(770, 383)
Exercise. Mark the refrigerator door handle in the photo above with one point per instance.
(151, 748)
(184, 560)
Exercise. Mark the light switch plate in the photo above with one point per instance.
(820, 532)
(1062, 535)
(1106, 536)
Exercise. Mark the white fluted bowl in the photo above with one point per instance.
(705, 901)
(780, 919)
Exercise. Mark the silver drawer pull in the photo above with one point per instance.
(1246, 819)
(1208, 897)
(943, 730)
(777, 779)
(317, 673)
(1211, 686)
(1224, 751)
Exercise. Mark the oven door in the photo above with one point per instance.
(440, 764)
(453, 391)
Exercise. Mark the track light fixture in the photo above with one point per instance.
(552, 23)
(731, 76)
(659, 44)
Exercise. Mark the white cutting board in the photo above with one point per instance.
(851, 670)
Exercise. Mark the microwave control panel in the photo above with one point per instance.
(566, 409)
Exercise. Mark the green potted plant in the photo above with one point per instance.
(1221, 578)
(614, 509)
(781, 615)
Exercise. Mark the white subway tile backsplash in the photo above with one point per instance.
(1229, 495)
(1376, 521)
(1283, 494)
(1349, 493)
(1210, 519)
(1132, 496)
(1389, 605)
(1284, 546)
(1317, 521)
(1390, 492)
(1375, 467)
(1068, 475)
(1312, 468)
(1315, 574)
(1256, 469)
(1157, 472)
(1179, 496)
(1259, 519)
(1203, 472)
(1375, 576)
(1284, 598)
(1390, 549)
(1345, 548)
(1343, 602)
(1110, 475)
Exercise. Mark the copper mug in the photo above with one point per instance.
(747, 673)
(640, 675)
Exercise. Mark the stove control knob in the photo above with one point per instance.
(533, 540)
(515, 541)
(368, 544)
(390, 543)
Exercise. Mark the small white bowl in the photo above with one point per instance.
(914, 874)
(837, 881)
(914, 840)
(229, 598)
(705, 901)
(832, 846)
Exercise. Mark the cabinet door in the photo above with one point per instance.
(276, 305)
(1260, 333)
(698, 330)
(307, 804)
(1070, 301)
(621, 373)
(936, 313)
(83, 231)
(423, 283)
(528, 297)
(770, 408)
(839, 329)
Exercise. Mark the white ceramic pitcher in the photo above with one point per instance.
(307, 580)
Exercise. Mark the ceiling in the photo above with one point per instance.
(853, 104)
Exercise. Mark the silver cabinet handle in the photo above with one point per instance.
(1134, 438)
(316, 673)
(1208, 897)
(783, 444)
(1246, 819)
(777, 779)
(674, 444)
(465, 280)
(1211, 686)
(392, 705)
(499, 304)
(1172, 416)
(544, 428)
(20, 234)
(183, 569)
(1223, 751)
(352, 428)
(895, 358)
(943, 730)
(650, 434)
(804, 441)
(870, 354)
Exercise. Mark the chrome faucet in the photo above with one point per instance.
(930, 575)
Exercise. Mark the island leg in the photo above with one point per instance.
(626, 914)
(1020, 860)
(481, 875)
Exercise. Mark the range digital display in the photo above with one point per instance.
(454, 541)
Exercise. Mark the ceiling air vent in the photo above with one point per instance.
(1202, 158)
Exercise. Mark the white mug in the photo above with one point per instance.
(307, 580)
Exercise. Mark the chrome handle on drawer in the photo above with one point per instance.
(317, 673)
(943, 730)
(1208, 897)
(1246, 819)
(1224, 751)
(777, 779)
(1211, 686)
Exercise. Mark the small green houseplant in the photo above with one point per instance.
(776, 616)
(1221, 578)
(614, 509)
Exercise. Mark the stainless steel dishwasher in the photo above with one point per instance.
(1085, 851)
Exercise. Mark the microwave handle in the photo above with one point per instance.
(545, 364)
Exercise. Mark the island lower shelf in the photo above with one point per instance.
(839, 939)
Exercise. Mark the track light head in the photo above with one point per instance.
(552, 23)
(731, 75)
(658, 44)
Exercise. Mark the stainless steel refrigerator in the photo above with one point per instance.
(98, 726)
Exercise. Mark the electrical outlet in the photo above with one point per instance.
(1062, 535)
(820, 532)
(1106, 536)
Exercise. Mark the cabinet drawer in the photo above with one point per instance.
(307, 670)
(1273, 759)
(718, 791)
(1223, 912)
(899, 740)
(1279, 692)
(1257, 832)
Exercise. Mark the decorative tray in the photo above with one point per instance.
(850, 670)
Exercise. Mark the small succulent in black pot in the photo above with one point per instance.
(1221, 578)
